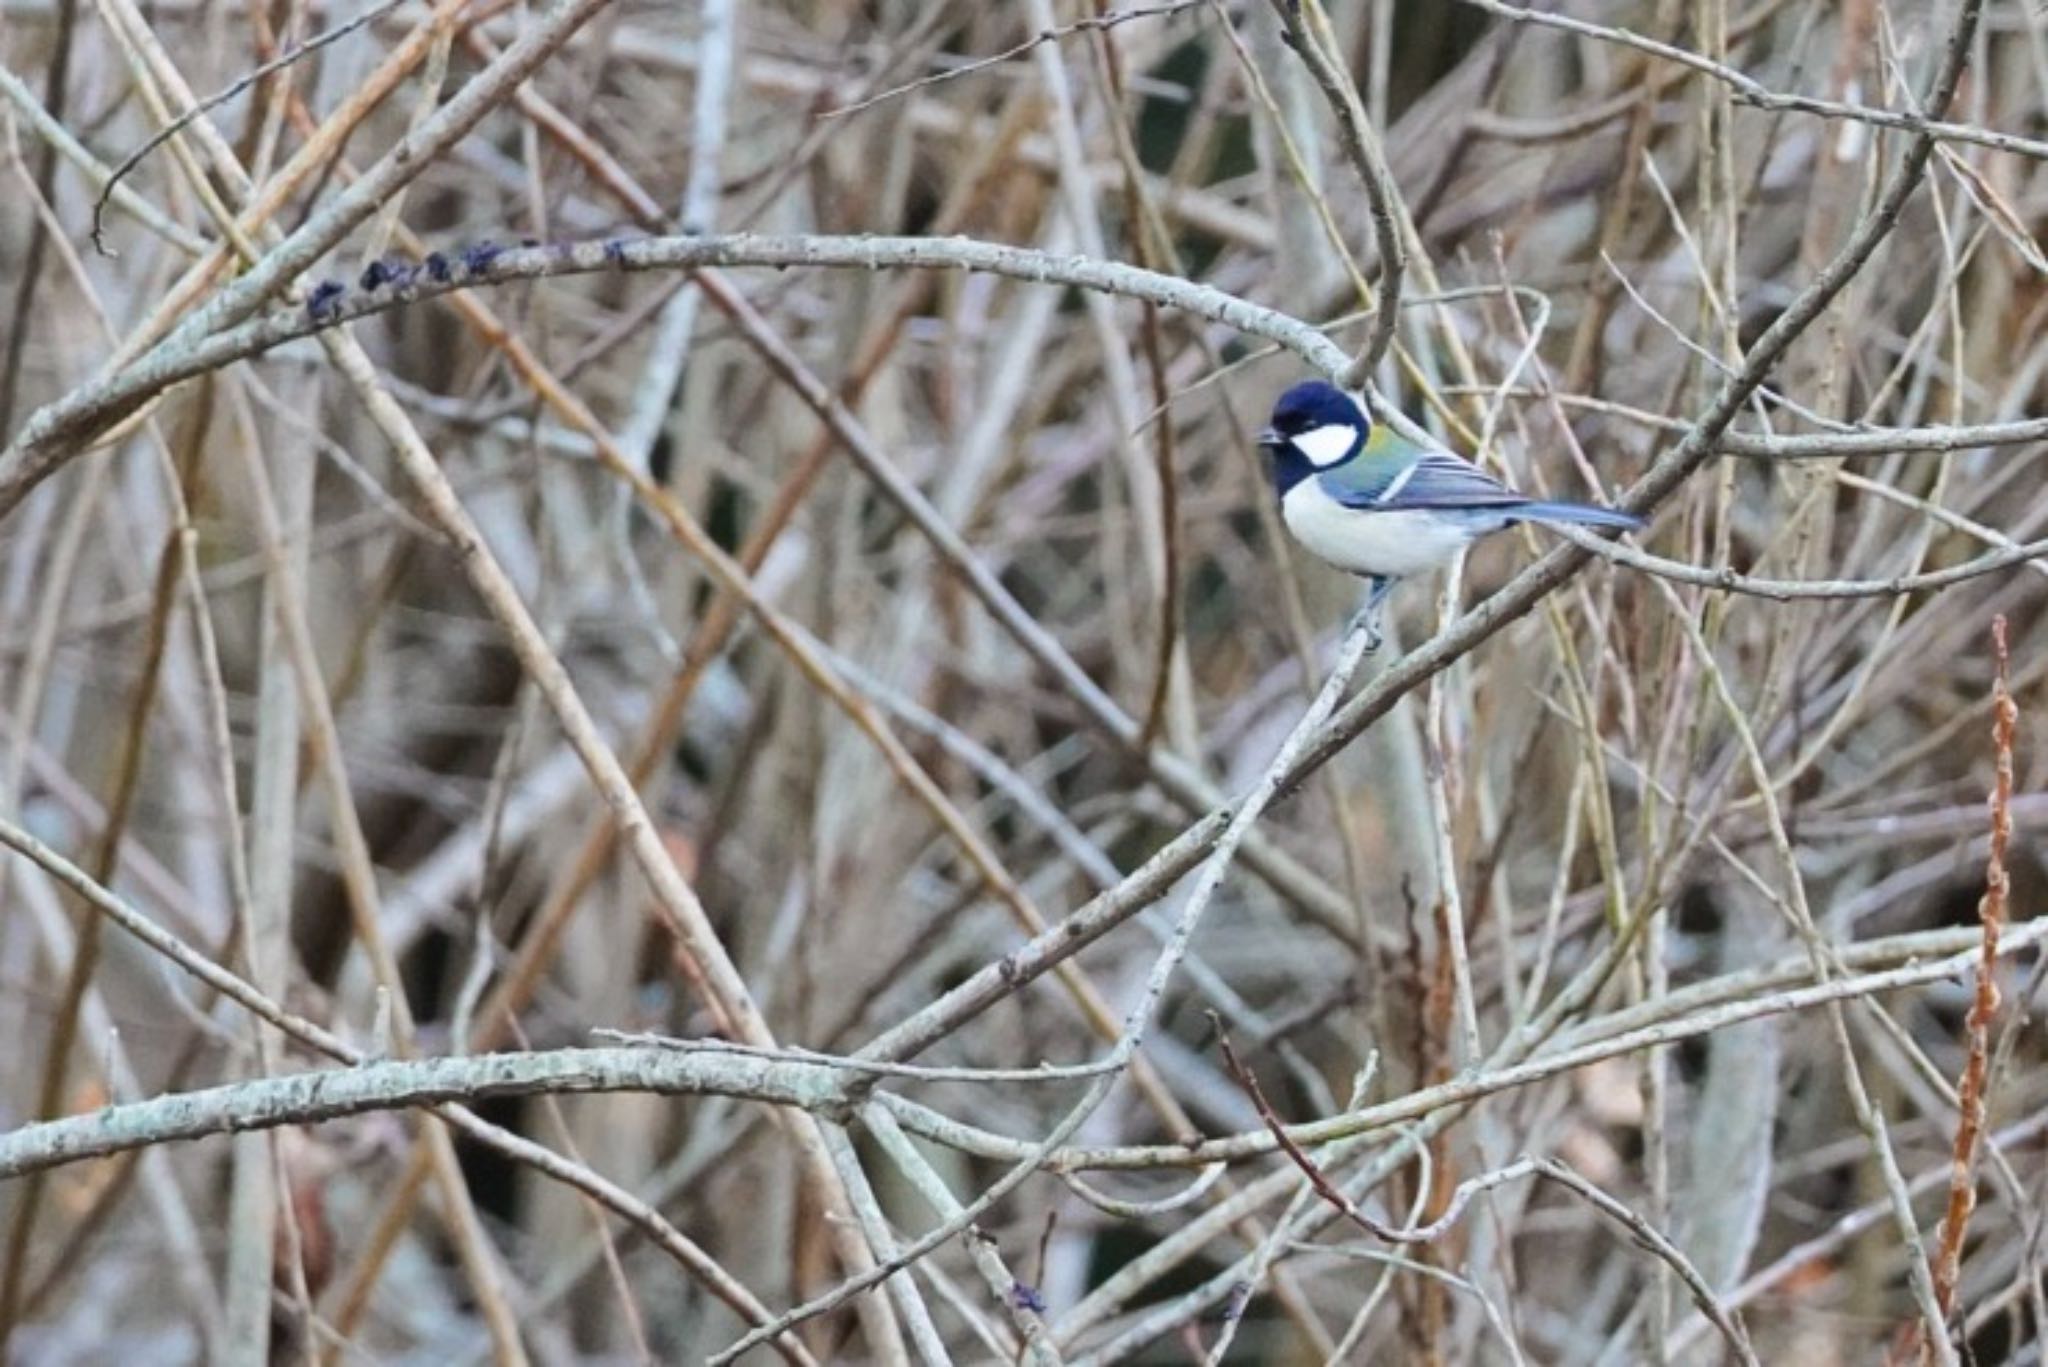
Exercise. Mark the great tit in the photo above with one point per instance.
(1379, 506)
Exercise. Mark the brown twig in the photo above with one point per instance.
(1324, 1187)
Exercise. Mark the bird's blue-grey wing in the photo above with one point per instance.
(1391, 475)
(1361, 482)
(1443, 480)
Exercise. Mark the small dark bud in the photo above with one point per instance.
(615, 251)
(479, 258)
(437, 268)
(1025, 1296)
(1234, 1305)
(375, 276)
(324, 303)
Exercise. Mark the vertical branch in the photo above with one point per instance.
(14, 345)
(717, 40)
(1139, 218)
(1362, 148)
(1441, 754)
(266, 937)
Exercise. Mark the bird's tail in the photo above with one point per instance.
(1578, 514)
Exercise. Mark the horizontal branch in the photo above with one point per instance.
(309, 1098)
(62, 429)
(822, 1086)
(1847, 443)
(1884, 441)
(1462, 1091)
(1788, 590)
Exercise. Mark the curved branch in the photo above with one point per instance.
(61, 430)
(292, 55)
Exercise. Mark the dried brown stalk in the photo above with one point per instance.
(1991, 911)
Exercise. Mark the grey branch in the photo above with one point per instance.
(308, 1098)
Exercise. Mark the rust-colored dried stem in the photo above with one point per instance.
(1962, 1186)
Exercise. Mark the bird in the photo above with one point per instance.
(1374, 504)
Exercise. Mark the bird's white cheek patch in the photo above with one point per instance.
(1327, 445)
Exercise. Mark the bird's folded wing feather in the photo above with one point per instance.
(1400, 475)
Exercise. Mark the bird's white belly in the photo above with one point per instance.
(1391, 544)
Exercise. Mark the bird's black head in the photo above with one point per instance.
(1315, 426)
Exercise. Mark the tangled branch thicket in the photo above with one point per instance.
(652, 706)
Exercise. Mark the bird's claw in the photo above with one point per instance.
(1367, 620)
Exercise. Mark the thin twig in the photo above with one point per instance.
(1096, 24)
(1639, 1229)
(290, 56)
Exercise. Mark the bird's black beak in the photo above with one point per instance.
(1270, 437)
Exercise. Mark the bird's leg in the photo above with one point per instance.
(1367, 619)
